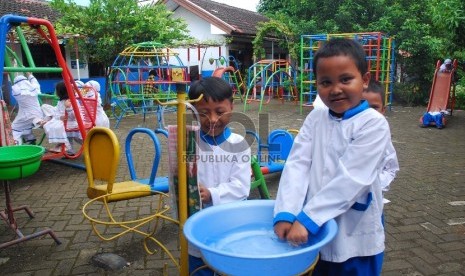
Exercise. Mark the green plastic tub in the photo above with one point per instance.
(19, 161)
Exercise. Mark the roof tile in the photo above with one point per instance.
(29, 8)
(244, 21)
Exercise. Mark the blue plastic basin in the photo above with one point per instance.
(238, 239)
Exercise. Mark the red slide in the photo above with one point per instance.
(441, 97)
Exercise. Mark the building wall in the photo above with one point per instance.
(202, 31)
(47, 83)
(70, 56)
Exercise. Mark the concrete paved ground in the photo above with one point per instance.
(425, 221)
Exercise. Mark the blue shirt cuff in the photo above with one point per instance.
(363, 206)
(306, 221)
(284, 216)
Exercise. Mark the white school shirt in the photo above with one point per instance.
(55, 128)
(443, 68)
(390, 167)
(225, 170)
(101, 118)
(318, 103)
(333, 164)
(26, 93)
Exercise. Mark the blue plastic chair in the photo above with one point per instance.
(278, 145)
(159, 183)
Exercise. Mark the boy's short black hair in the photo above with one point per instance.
(153, 72)
(214, 88)
(342, 46)
(61, 92)
(375, 86)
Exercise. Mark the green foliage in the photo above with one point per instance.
(460, 99)
(409, 94)
(270, 6)
(460, 94)
(277, 29)
(424, 30)
(112, 25)
(448, 17)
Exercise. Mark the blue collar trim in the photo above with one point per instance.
(18, 81)
(216, 140)
(351, 112)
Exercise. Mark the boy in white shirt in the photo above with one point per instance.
(375, 98)
(223, 164)
(333, 169)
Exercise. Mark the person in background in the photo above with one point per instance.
(434, 117)
(446, 67)
(80, 85)
(220, 181)
(332, 171)
(26, 91)
(55, 127)
(101, 118)
(374, 95)
(149, 87)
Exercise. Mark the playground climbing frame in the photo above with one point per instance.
(380, 55)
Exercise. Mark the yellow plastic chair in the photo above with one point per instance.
(101, 157)
(102, 154)
(293, 131)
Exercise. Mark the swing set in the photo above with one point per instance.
(11, 30)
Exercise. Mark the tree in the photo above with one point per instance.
(426, 30)
(448, 17)
(277, 29)
(323, 16)
(112, 25)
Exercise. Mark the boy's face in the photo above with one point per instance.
(340, 83)
(214, 116)
(374, 100)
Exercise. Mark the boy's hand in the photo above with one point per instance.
(205, 194)
(68, 103)
(282, 228)
(298, 234)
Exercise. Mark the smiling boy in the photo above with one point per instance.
(332, 171)
(223, 166)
